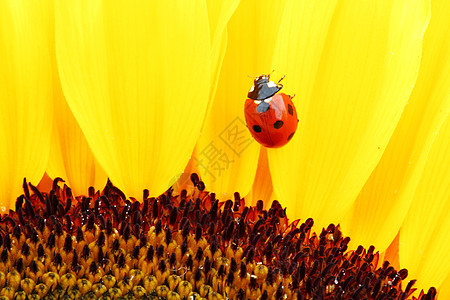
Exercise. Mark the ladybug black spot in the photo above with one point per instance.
(278, 124)
(290, 136)
(290, 110)
(256, 128)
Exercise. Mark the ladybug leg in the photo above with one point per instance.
(292, 97)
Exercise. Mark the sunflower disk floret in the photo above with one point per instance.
(188, 246)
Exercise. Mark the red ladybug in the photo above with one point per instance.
(271, 117)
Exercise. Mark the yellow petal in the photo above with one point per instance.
(390, 254)
(45, 184)
(424, 241)
(444, 291)
(25, 94)
(352, 66)
(136, 76)
(183, 179)
(226, 153)
(219, 13)
(70, 155)
(262, 188)
(389, 190)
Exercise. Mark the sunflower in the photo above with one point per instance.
(146, 93)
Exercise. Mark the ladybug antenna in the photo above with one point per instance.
(281, 78)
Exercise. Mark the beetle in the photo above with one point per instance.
(271, 117)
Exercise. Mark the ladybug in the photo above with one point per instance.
(270, 117)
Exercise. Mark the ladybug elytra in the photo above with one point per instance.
(270, 117)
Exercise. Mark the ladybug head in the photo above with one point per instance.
(261, 79)
(263, 88)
